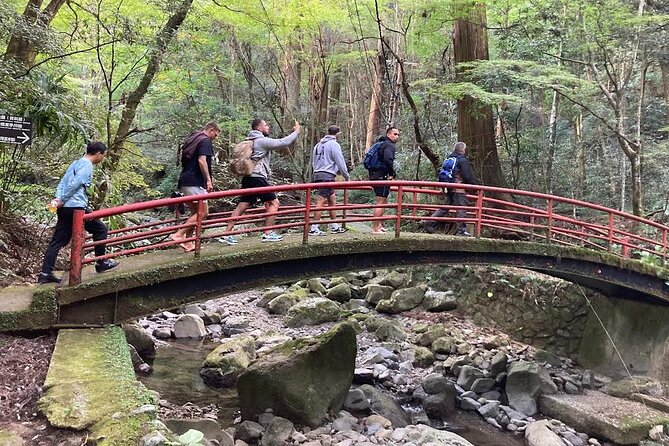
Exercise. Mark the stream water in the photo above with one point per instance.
(176, 377)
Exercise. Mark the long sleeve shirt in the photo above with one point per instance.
(327, 157)
(262, 151)
(72, 187)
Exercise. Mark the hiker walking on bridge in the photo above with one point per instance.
(71, 195)
(379, 161)
(327, 161)
(196, 177)
(263, 146)
(455, 169)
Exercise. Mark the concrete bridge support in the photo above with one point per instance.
(639, 331)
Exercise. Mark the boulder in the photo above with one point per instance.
(316, 286)
(268, 295)
(339, 293)
(312, 311)
(440, 406)
(445, 345)
(468, 374)
(282, 303)
(356, 400)
(426, 435)
(525, 382)
(277, 433)
(210, 429)
(433, 333)
(439, 301)
(301, 380)
(539, 434)
(390, 330)
(423, 357)
(193, 309)
(401, 300)
(498, 363)
(248, 431)
(140, 339)
(224, 364)
(436, 383)
(377, 293)
(382, 404)
(394, 279)
(189, 326)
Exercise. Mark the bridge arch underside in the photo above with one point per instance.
(168, 285)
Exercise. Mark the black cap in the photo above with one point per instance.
(333, 130)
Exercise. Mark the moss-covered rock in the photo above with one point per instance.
(401, 300)
(224, 364)
(390, 330)
(340, 292)
(91, 385)
(282, 303)
(315, 286)
(374, 293)
(301, 380)
(423, 357)
(312, 312)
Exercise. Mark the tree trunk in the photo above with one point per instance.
(376, 102)
(475, 120)
(664, 67)
(123, 131)
(21, 47)
(552, 142)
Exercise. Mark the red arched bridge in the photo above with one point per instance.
(611, 251)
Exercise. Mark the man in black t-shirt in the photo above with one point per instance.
(196, 178)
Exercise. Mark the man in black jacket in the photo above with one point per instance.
(387, 172)
(462, 173)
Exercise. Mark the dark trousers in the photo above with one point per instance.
(454, 199)
(63, 234)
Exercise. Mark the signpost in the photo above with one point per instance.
(16, 130)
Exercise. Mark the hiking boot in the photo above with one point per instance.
(337, 229)
(43, 278)
(271, 237)
(105, 265)
(317, 231)
(463, 233)
(229, 239)
(429, 227)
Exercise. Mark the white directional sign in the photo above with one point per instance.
(16, 130)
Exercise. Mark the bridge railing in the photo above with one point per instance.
(492, 212)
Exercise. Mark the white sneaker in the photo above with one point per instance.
(316, 232)
(271, 237)
(337, 229)
(229, 239)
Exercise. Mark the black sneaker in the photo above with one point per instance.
(429, 227)
(105, 265)
(47, 278)
(463, 233)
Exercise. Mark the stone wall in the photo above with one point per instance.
(533, 308)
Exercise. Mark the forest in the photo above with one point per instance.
(565, 97)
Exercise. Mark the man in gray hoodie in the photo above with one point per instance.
(327, 161)
(262, 152)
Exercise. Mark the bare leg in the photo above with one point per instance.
(242, 206)
(377, 226)
(271, 207)
(332, 201)
(320, 204)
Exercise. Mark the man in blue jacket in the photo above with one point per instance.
(71, 195)
(327, 161)
(387, 172)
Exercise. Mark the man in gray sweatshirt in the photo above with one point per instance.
(262, 152)
(327, 161)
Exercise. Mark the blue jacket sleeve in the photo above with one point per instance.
(80, 176)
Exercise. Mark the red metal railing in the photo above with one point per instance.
(494, 212)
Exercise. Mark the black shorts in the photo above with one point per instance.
(382, 191)
(323, 177)
(250, 182)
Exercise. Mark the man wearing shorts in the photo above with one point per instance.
(195, 178)
(327, 161)
(262, 152)
(386, 172)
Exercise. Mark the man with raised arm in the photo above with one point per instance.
(263, 146)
